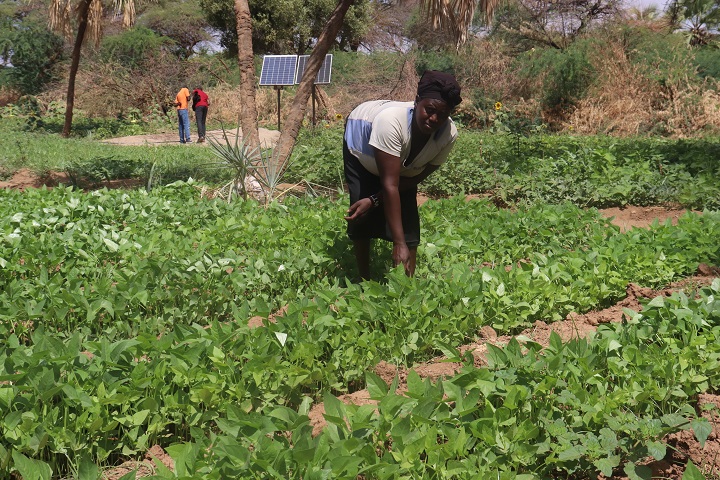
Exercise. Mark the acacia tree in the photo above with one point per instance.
(183, 22)
(551, 23)
(89, 16)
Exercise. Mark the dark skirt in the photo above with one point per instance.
(362, 184)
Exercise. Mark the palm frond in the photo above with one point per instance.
(455, 16)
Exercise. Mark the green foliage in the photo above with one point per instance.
(317, 157)
(125, 317)
(707, 60)
(85, 159)
(285, 26)
(511, 15)
(591, 171)
(663, 58)
(566, 74)
(183, 22)
(99, 169)
(443, 61)
(247, 163)
(131, 47)
(698, 18)
(34, 53)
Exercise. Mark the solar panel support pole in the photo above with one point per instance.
(278, 88)
(313, 105)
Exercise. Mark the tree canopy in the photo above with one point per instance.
(33, 52)
(183, 22)
(287, 26)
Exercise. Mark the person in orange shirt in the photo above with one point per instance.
(181, 103)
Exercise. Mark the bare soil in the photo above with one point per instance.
(268, 138)
(683, 445)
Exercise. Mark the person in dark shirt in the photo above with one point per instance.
(201, 102)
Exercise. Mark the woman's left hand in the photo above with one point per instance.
(359, 209)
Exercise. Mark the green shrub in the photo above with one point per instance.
(707, 60)
(435, 60)
(131, 47)
(663, 58)
(566, 74)
(35, 52)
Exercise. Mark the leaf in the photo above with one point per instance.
(111, 245)
(452, 353)
(6, 397)
(31, 469)
(129, 476)
(415, 385)
(139, 417)
(282, 337)
(702, 429)
(88, 470)
(635, 472)
(657, 302)
(184, 455)
(606, 465)
(571, 453)
(376, 386)
(692, 472)
(657, 449)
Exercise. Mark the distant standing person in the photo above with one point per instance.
(181, 103)
(201, 103)
(388, 149)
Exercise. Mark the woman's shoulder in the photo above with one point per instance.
(371, 109)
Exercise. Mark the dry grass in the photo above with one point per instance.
(486, 67)
(621, 104)
(8, 96)
(625, 102)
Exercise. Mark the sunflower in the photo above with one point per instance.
(338, 116)
(498, 106)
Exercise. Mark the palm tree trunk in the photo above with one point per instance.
(289, 134)
(246, 64)
(84, 9)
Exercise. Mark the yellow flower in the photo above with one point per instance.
(498, 106)
(338, 116)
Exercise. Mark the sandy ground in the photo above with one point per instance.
(268, 138)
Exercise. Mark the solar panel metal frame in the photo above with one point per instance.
(278, 70)
(323, 75)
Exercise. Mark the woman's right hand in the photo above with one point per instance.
(401, 254)
(358, 209)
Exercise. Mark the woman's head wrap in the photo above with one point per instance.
(440, 86)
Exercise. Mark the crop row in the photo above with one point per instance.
(588, 171)
(584, 406)
(130, 261)
(106, 295)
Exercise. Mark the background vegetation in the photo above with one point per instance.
(625, 72)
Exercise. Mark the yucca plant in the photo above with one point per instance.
(254, 165)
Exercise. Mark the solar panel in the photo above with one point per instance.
(278, 70)
(323, 75)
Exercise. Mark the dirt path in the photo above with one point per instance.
(268, 138)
